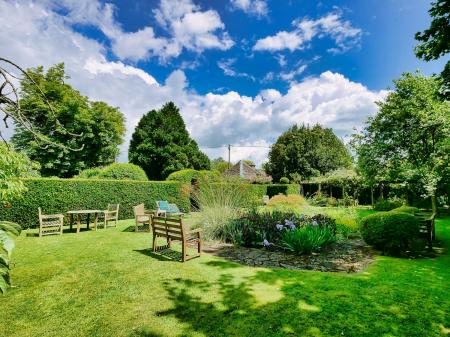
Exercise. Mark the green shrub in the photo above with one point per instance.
(116, 171)
(276, 189)
(61, 195)
(307, 239)
(187, 175)
(390, 232)
(90, 173)
(406, 209)
(284, 180)
(388, 204)
(123, 171)
(322, 200)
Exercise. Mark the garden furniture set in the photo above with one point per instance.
(53, 223)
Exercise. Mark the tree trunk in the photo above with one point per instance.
(434, 204)
(372, 198)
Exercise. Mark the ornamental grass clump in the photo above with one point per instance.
(218, 207)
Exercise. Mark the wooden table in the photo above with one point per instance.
(79, 213)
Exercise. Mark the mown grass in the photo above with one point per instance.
(108, 283)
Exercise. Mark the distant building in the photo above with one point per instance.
(248, 172)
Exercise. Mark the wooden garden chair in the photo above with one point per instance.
(173, 229)
(142, 217)
(50, 223)
(111, 214)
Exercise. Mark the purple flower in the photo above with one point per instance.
(266, 243)
(279, 226)
(292, 227)
(314, 223)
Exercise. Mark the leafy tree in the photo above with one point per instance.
(308, 152)
(161, 144)
(435, 41)
(408, 140)
(94, 128)
(13, 165)
(219, 164)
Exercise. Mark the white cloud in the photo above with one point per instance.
(256, 8)
(33, 35)
(227, 67)
(187, 26)
(332, 25)
(289, 76)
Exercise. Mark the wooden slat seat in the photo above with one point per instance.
(50, 223)
(173, 229)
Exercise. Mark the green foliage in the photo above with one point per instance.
(93, 126)
(388, 204)
(407, 141)
(284, 180)
(161, 144)
(123, 171)
(61, 195)
(435, 41)
(391, 232)
(90, 173)
(307, 239)
(116, 171)
(187, 175)
(8, 232)
(219, 164)
(406, 209)
(322, 200)
(13, 166)
(275, 189)
(307, 151)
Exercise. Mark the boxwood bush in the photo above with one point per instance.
(55, 195)
(388, 204)
(187, 175)
(390, 232)
(119, 171)
(406, 209)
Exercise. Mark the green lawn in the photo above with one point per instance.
(107, 283)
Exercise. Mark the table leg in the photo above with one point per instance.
(88, 216)
(71, 221)
(78, 223)
(95, 220)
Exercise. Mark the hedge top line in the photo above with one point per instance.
(168, 182)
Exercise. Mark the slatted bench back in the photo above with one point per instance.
(168, 227)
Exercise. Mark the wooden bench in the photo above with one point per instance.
(173, 229)
(427, 228)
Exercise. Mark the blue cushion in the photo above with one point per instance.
(164, 205)
(173, 209)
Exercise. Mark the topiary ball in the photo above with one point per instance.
(390, 232)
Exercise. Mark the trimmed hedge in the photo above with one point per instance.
(391, 232)
(387, 204)
(55, 195)
(406, 209)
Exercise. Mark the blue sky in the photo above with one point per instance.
(385, 49)
(242, 71)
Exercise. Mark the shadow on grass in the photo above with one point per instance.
(290, 303)
(164, 255)
(142, 229)
(222, 264)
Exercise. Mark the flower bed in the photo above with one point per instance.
(281, 230)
